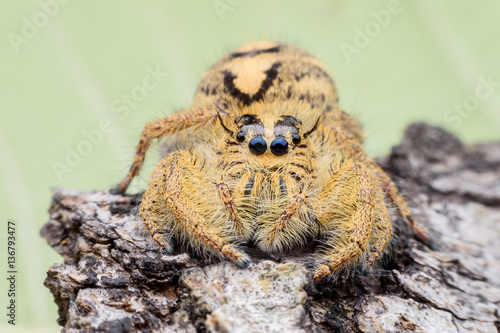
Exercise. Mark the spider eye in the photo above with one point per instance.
(296, 139)
(279, 147)
(240, 137)
(257, 146)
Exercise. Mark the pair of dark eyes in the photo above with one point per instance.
(240, 137)
(258, 145)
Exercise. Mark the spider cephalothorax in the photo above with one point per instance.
(268, 157)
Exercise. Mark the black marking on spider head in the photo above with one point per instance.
(246, 99)
(246, 122)
(288, 121)
(254, 53)
(247, 119)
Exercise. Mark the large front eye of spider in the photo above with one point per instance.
(257, 146)
(279, 147)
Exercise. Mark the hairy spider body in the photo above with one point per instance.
(265, 155)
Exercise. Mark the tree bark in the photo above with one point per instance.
(114, 279)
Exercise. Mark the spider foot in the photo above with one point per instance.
(116, 191)
(241, 259)
(321, 272)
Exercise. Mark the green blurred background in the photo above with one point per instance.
(66, 66)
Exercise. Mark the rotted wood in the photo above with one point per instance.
(114, 279)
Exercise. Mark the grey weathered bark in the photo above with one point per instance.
(114, 278)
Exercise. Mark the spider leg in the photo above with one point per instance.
(391, 191)
(353, 149)
(178, 187)
(150, 214)
(160, 128)
(345, 209)
(381, 233)
(274, 238)
(153, 229)
(396, 199)
(287, 224)
(227, 197)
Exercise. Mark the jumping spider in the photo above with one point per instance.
(266, 156)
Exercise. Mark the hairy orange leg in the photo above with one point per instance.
(272, 237)
(353, 149)
(169, 184)
(360, 219)
(152, 227)
(275, 234)
(227, 197)
(160, 128)
(381, 233)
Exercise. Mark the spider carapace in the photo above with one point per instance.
(265, 155)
